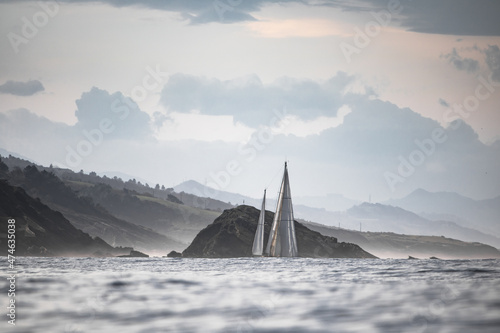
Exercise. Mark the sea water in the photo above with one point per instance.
(253, 295)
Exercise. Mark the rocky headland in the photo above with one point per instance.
(231, 235)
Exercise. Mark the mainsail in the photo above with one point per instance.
(282, 241)
(258, 241)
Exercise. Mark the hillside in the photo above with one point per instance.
(137, 187)
(232, 234)
(88, 217)
(124, 213)
(178, 221)
(41, 231)
(392, 245)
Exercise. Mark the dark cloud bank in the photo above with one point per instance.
(449, 17)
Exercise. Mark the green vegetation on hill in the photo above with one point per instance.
(41, 231)
(128, 213)
(137, 187)
(85, 215)
(176, 220)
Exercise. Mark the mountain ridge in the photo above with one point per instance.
(483, 214)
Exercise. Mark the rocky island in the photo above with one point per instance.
(231, 235)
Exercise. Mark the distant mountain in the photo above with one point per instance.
(41, 231)
(320, 215)
(200, 190)
(232, 234)
(392, 245)
(330, 202)
(385, 218)
(483, 215)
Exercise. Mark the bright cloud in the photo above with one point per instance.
(297, 28)
(293, 125)
(195, 126)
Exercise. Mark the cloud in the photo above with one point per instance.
(250, 101)
(493, 60)
(349, 157)
(297, 28)
(463, 64)
(297, 127)
(98, 108)
(444, 103)
(218, 13)
(182, 126)
(36, 137)
(448, 17)
(20, 88)
(103, 120)
(371, 132)
(373, 138)
(195, 11)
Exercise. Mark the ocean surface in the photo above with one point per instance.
(253, 295)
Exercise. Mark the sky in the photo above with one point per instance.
(363, 98)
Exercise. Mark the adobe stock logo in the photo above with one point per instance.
(30, 27)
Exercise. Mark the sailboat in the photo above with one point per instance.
(258, 241)
(282, 241)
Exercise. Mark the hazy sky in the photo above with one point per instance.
(357, 95)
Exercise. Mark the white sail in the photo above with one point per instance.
(258, 241)
(274, 230)
(282, 241)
